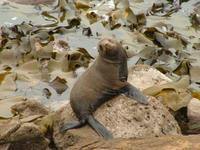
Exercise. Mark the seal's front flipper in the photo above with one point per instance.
(99, 128)
(133, 93)
(72, 125)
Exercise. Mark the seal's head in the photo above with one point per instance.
(111, 50)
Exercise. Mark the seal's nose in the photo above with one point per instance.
(104, 44)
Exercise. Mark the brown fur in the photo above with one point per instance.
(103, 75)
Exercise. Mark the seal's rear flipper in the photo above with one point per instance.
(72, 125)
(133, 93)
(99, 128)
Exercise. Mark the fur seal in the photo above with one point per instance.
(103, 80)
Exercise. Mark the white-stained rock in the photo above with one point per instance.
(143, 76)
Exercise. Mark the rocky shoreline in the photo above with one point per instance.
(134, 126)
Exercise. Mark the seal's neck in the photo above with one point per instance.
(105, 64)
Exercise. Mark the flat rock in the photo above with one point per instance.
(29, 107)
(122, 116)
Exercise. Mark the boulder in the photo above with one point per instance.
(26, 130)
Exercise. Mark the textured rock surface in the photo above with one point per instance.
(126, 118)
(122, 116)
(29, 107)
(24, 131)
(161, 143)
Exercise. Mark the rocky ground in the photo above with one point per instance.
(133, 125)
(41, 69)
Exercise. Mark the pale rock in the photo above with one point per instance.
(194, 110)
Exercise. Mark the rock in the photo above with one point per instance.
(27, 129)
(161, 143)
(22, 136)
(194, 110)
(175, 99)
(24, 132)
(193, 114)
(28, 108)
(143, 76)
(122, 116)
